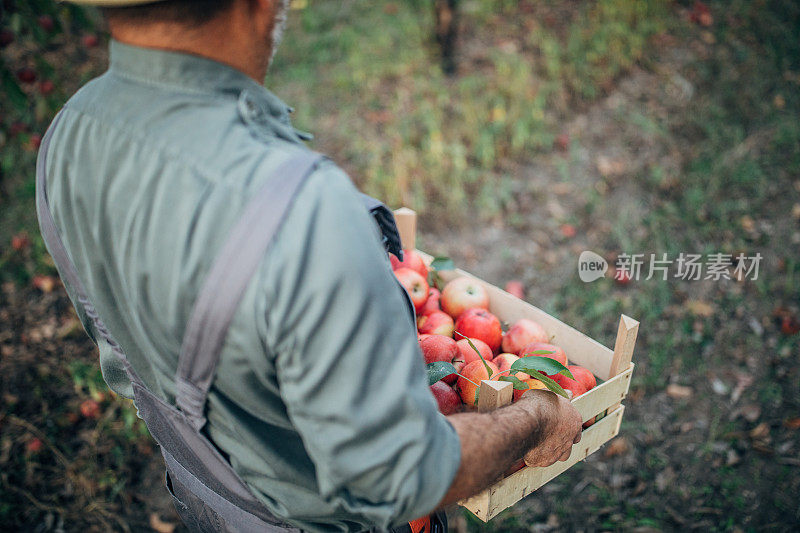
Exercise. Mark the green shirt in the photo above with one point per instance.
(320, 400)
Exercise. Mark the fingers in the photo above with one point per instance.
(565, 455)
(577, 438)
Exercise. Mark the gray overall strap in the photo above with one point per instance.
(61, 258)
(227, 280)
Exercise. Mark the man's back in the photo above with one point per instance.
(320, 399)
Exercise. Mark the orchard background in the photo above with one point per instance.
(610, 125)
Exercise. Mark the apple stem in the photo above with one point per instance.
(465, 377)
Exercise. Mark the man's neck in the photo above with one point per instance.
(229, 40)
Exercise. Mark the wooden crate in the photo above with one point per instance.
(604, 401)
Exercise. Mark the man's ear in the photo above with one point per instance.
(263, 14)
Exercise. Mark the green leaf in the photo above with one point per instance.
(518, 383)
(439, 370)
(442, 263)
(549, 366)
(552, 385)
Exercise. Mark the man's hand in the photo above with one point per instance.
(540, 426)
(563, 429)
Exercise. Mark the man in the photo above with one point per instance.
(320, 401)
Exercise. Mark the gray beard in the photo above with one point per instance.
(281, 17)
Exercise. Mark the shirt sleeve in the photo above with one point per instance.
(348, 362)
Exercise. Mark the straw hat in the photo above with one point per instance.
(111, 3)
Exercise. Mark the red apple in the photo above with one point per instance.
(468, 355)
(412, 260)
(438, 348)
(436, 323)
(422, 336)
(478, 323)
(622, 276)
(516, 288)
(34, 445)
(504, 362)
(90, 40)
(475, 372)
(6, 37)
(447, 398)
(586, 378)
(463, 293)
(561, 142)
(432, 303)
(573, 385)
(589, 422)
(26, 75)
(522, 332)
(46, 22)
(556, 352)
(90, 409)
(20, 241)
(415, 285)
(46, 87)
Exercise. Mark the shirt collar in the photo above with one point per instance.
(192, 73)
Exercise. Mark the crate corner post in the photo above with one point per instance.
(494, 395)
(627, 332)
(406, 220)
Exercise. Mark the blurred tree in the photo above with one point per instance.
(446, 29)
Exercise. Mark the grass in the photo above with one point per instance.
(413, 136)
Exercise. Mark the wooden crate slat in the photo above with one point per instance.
(580, 348)
(605, 395)
(515, 487)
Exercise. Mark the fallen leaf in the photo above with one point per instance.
(742, 382)
(44, 283)
(607, 166)
(700, 308)
(664, 479)
(160, 526)
(751, 412)
(719, 387)
(761, 431)
(679, 392)
(71, 328)
(792, 423)
(732, 458)
(748, 224)
(616, 447)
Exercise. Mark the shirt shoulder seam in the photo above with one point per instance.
(174, 155)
